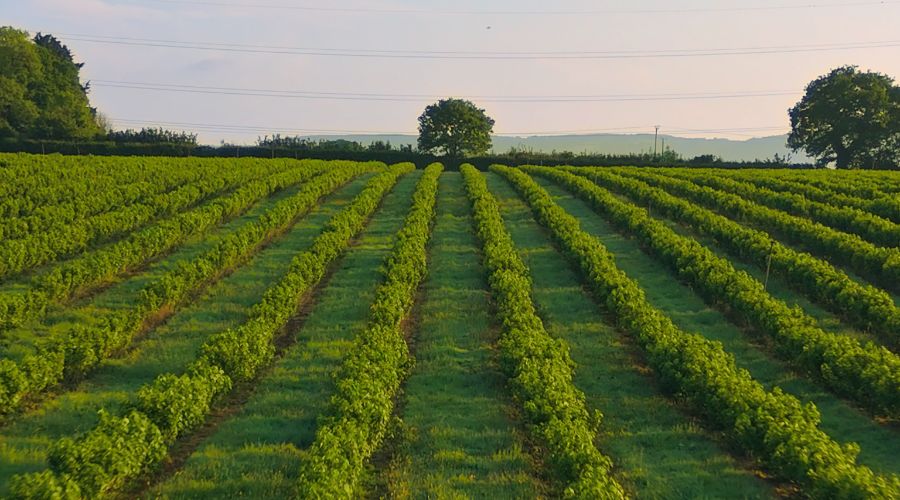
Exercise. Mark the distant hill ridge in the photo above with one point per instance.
(758, 148)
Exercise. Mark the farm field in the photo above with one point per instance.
(214, 328)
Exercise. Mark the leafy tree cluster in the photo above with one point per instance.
(666, 158)
(41, 94)
(299, 143)
(152, 136)
(851, 118)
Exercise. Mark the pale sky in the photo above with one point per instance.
(486, 51)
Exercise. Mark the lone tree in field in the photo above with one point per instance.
(455, 127)
(849, 117)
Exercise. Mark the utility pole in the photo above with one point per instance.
(768, 265)
(655, 137)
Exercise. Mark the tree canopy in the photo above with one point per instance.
(849, 117)
(455, 127)
(41, 95)
(152, 135)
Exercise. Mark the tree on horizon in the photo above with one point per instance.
(455, 128)
(849, 117)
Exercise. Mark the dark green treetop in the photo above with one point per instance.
(41, 94)
(849, 117)
(455, 127)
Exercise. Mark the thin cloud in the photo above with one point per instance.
(99, 10)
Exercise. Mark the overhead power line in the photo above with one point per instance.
(351, 96)
(472, 55)
(257, 129)
(244, 129)
(548, 12)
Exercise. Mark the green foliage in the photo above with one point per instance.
(298, 143)
(774, 427)
(768, 426)
(375, 366)
(52, 193)
(539, 366)
(41, 95)
(180, 403)
(871, 227)
(59, 240)
(863, 305)
(870, 200)
(97, 462)
(455, 127)
(20, 68)
(849, 117)
(63, 280)
(47, 485)
(174, 405)
(79, 351)
(152, 136)
(868, 373)
(879, 264)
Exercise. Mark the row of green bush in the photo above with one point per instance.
(874, 228)
(29, 183)
(873, 193)
(375, 366)
(72, 354)
(59, 241)
(881, 265)
(863, 305)
(120, 449)
(30, 205)
(67, 278)
(771, 426)
(867, 373)
(538, 366)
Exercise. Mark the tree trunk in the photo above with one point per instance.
(453, 150)
(842, 157)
